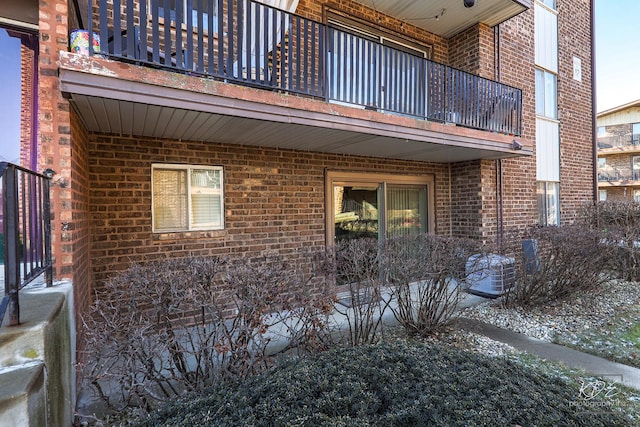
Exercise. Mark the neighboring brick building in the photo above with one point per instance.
(619, 153)
(334, 121)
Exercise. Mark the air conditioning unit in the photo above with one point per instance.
(490, 275)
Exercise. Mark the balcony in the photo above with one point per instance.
(619, 143)
(609, 176)
(399, 96)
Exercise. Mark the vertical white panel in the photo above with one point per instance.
(547, 150)
(546, 42)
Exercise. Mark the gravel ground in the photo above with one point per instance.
(566, 319)
(560, 318)
(472, 341)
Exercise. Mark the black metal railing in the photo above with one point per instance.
(251, 43)
(620, 174)
(26, 233)
(629, 140)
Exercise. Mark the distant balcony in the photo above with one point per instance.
(610, 176)
(251, 44)
(629, 142)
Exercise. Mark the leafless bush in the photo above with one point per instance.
(162, 329)
(620, 224)
(358, 268)
(569, 260)
(427, 277)
(277, 298)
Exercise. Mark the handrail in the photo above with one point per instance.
(26, 232)
(250, 43)
(617, 174)
(619, 141)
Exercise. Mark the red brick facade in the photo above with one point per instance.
(27, 58)
(620, 150)
(66, 155)
(575, 109)
(275, 199)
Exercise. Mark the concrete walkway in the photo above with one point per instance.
(598, 366)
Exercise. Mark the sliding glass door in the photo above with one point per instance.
(406, 210)
(377, 206)
(357, 212)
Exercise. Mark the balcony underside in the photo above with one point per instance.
(422, 14)
(455, 18)
(119, 98)
(603, 184)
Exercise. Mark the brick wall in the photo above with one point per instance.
(472, 50)
(575, 108)
(54, 126)
(620, 194)
(27, 57)
(516, 67)
(622, 162)
(274, 199)
(504, 54)
(76, 231)
(619, 130)
(466, 199)
(62, 153)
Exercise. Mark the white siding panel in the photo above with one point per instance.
(628, 115)
(547, 150)
(546, 38)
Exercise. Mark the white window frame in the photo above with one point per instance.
(635, 132)
(546, 94)
(635, 168)
(602, 131)
(188, 169)
(602, 195)
(551, 4)
(547, 217)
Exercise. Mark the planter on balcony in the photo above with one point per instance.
(79, 42)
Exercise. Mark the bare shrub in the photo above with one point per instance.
(357, 267)
(569, 260)
(159, 330)
(620, 224)
(427, 276)
(276, 299)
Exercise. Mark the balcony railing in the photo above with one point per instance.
(611, 174)
(249, 43)
(619, 141)
(26, 233)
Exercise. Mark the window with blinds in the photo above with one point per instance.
(187, 198)
(406, 210)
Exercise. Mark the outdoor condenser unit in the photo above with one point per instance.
(490, 275)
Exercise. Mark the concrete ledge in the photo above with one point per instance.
(23, 396)
(25, 342)
(43, 342)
